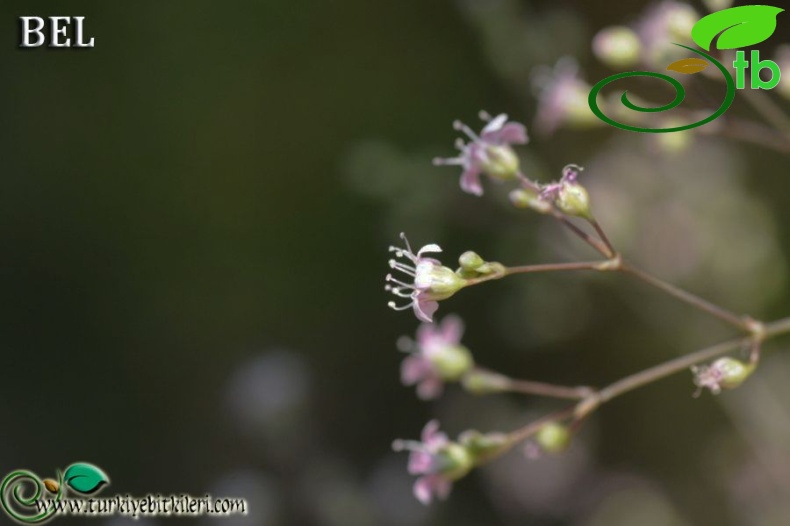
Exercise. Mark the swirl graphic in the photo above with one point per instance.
(14, 484)
(680, 94)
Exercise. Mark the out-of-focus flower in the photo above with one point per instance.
(661, 25)
(430, 280)
(782, 59)
(437, 460)
(552, 438)
(490, 153)
(437, 357)
(562, 97)
(717, 5)
(568, 194)
(724, 373)
(617, 46)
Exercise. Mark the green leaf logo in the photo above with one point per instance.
(739, 26)
(85, 478)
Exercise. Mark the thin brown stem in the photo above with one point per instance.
(632, 382)
(549, 267)
(742, 322)
(523, 433)
(548, 390)
(611, 252)
(584, 236)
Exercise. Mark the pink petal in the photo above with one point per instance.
(510, 133)
(413, 369)
(428, 486)
(432, 438)
(451, 329)
(420, 463)
(430, 387)
(433, 247)
(470, 181)
(494, 125)
(442, 487)
(424, 309)
(422, 490)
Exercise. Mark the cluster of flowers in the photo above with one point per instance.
(437, 355)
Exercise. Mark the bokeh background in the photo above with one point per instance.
(194, 217)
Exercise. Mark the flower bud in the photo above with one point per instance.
(500, 162)
(484, 446)
(454, 461)
(470, 261)
(680, 20)
(574, 200)
(440, 281)
(553, 438)
(717, 5)
(482, 382)
(451, 361)
(724, 373)
(617, 46)
(528, 199)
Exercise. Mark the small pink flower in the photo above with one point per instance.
(427, 459)
(724, 373)
(430, 281)
(437, 356)
(562, 97)
(570, 175)
(489, 153)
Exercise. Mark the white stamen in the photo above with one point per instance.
(392, 306)
(460, 126)
(449, 161)
(402, 284)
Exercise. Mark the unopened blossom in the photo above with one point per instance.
(426, 280)
(724, 373)
(569, 196)
(562, 97)
(782, 58)
(662, 24)
(617, 46)
(489, 153)
(438, 462)
(437, 356)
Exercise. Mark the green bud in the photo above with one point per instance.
(455, 461)
(442, 282)
(734, 372)
(522, 198)
(717, 5)
(553, 438)
(452, 361)
(491, 267)
(617, 46)
(482, 382)
(501, 163)
(484, 446)
(724, 373)
(574, 200)
(470, 261)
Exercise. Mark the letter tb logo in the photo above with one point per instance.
(755, 66)
(733, 28)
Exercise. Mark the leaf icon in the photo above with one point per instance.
(85, 478)
(740, 26)
(688, 66)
